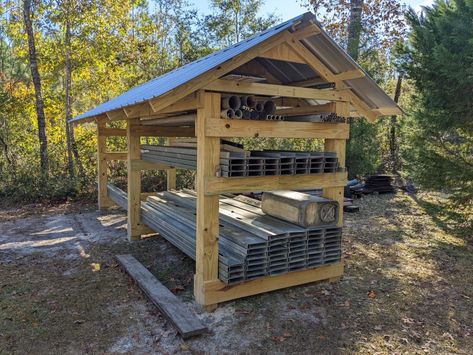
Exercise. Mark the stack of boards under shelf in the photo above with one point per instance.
(251, 243)
(246, 163)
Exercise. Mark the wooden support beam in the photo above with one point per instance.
(308, 82)
(389, 111)
(362, 107)
(328, 75)
(156, 131)
(139, 110)
(219, 127)
(139, 165)
(160, 103)
(238, 87)
(283, 52)
(217, 291)
(116, 155)
(187, 103)
(170, 173)
(117, 115)
(314, 62)
(102, 169)
(207, 228)
(338, 146)
(308, 31)
(305, 110)
(112, 132)
(134, 226)
(221, 185)
(350, 74)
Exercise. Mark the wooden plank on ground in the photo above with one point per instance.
(186, 322)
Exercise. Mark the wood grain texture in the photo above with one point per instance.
(102, 169)
(217, 291)
(134, 181)
(338, 146)
(240, 87)
(160, 103)
(182, 318)
(170, 173)
(277, 129)
(283, 52)
(207, 228)
(220, 185)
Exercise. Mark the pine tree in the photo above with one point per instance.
(441, 65)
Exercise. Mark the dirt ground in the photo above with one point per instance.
(408, 288)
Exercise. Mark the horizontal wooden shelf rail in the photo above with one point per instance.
(138, 165)
(112, 132)
(239, 87)
(217, 291)
(153, 131)
(221, 185)
(115, 155)
(219, 127)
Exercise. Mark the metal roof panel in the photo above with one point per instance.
(182, 75)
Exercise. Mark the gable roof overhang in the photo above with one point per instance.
(302, 34)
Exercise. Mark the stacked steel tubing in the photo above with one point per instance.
(249, 108)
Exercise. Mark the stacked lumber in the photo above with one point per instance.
(299, 208)
(238, 162)
(379, 184)
(251, 243)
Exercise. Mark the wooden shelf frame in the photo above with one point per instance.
(208, 289)
(203, 94)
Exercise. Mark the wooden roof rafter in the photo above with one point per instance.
(301, 46)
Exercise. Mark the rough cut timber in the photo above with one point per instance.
(302, 209)
(185, 321)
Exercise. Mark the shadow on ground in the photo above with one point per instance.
(407, 288)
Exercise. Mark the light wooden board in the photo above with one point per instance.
(171, 177)
(207, 227)
(217, 291)
(219, 127)
(221, 185)
(338, 146)
(171, 97)
(102, 169)
(134, 229)
(283, 52)
(239, 87)
(182, 318)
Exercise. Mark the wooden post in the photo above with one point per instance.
(170, 173)
(338, 146)
(208, 160)
(102, 166)
(134, 229)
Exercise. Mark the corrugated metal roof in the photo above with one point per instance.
(182, 75)
(320, 45)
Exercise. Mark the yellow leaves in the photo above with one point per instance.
(95, 267)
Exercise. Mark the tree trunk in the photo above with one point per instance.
(354, 28)
(393, 146)
(67, 69)
(72, 152)
(43, 141)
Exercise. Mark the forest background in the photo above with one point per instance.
(59, 58)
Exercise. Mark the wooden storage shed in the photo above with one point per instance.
(303, 71)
